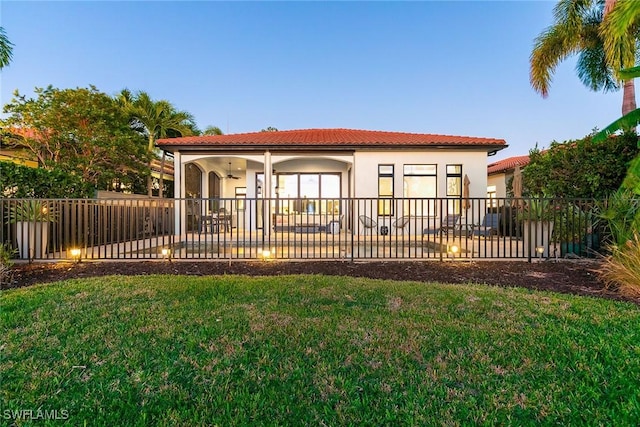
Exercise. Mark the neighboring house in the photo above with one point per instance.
(156, 167)
(17, 156)
(311, 170)
(500, 173)
(9, 153)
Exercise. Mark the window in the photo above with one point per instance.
(492, 193)
(454, 188)
(385, 190)
(301, 192)
(241, 194)
(420, 182)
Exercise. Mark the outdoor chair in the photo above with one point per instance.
(401, 223)
(224, 220)
(368, 224)
(489, 227)
(449, 223)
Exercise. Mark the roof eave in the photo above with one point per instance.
(324, 147)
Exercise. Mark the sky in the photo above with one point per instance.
(441, 67)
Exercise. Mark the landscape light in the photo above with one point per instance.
(75, 254)
(540, 251)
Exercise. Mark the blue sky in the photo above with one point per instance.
(459, 68)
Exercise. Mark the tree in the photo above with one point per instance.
(212, 130)
(155, 119)
(6, 49)
(270, 129)
(622, 19)
(576, 30)
(80, 131)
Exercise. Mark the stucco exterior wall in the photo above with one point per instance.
(498, 180)
(365, 171)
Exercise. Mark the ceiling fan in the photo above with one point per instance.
(230, 175)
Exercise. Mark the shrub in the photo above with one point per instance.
(622, 268)
(580, 168)
(31, 211)
(17, 181)
(6, 262)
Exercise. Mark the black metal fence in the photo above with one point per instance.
(343, 228)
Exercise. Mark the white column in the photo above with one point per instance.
(266, 191)
(178, 191)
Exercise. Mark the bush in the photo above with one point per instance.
(6, 262)
(622, 268)
(17, 181)
(581, 168)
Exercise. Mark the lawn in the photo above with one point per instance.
(314, 350)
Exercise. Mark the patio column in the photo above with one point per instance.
(266, 191)
(178, 189)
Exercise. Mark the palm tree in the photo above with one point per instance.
(622, 19)
(155, 119)
(6, 49)
(576, 30)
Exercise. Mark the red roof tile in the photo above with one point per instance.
(328, 137)
(507, 164)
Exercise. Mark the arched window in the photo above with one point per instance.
(193, 190)
(214, 192)
(193, 181)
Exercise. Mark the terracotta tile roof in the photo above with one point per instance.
(328, 138)
(507, 164)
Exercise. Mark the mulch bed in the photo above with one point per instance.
(571, 277)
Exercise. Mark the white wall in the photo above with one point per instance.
(474, 165)
(500, 181)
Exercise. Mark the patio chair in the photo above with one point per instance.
(449, 223)
(489, 227)
(401, 223)
(368, 224)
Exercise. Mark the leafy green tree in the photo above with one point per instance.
(270, 129)
(80, 131)
(576, 31)
(6, 49)
(155, 119)
(212, 130)
(582, 168)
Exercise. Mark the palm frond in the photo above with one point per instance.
(6, 49)
(619, 33)
(593, 70)
(630, 73)
(628, 121)
(551, 47)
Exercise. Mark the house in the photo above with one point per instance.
(313, 170)
(500, 173)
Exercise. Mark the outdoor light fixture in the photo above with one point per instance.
(75, 254)
(540, 251)
(452, 250)
(166, 253)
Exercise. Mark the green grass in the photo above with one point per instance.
(313, 350)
